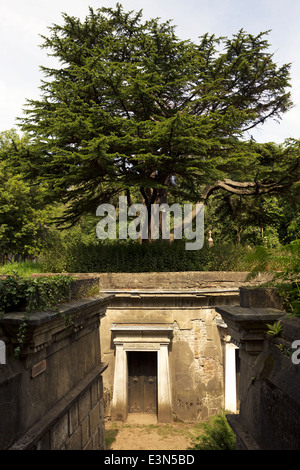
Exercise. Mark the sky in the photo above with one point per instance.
(22, 22)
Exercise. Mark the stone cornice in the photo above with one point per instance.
(50, 327)
(247, 326)
(141, 333)
(70, 308)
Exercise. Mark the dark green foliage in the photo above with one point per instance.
(283, 263)
(155, 257)
(216, 434)
(284, 266)
(110, 437)
(252, 220)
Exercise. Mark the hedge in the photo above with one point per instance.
(155, 257)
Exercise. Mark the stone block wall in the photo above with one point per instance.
(82, 425)
(164, 281)
(78, 425)
(51, 396)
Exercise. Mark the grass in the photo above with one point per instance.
(212, 434)
(24, 269)
(189, 431)
(110, 437)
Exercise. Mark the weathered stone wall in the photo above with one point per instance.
(51, 396)
(190, 280)
(196, 363)
(175, 280)
(269, 379)
(76, 423)
(270, 412)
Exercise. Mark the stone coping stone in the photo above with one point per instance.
(187, 291)
(38, 318)
(249, 314)
(143, 326)
(260, 296)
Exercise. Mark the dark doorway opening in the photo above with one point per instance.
(142, 382)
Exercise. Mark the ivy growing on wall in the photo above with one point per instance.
(27, 295)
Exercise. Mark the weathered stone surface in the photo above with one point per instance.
(176, 280)
(261, 297)
(94, 418)
(73, 418)
(59, 433)
(85, 431)
(84, 406)
(269, 380)
(74, 442)
(94, 394)
(56, 401)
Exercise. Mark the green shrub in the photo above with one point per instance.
(216, 434)
(18, 293)
(283, 264)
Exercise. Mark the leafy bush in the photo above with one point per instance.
(216, 435)
(284, 266)
(283, 263)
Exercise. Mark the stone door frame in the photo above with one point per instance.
(141, 337)
(230, 377)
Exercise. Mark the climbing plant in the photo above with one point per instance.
(31, 294)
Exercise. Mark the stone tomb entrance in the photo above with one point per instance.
(187, 341)
(141, 376)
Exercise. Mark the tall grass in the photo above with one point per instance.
(24, 269)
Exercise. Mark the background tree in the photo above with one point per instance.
(24, 219)
(235, 218)
(133, 107)
(269, 219)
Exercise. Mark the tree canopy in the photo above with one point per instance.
(134, 108)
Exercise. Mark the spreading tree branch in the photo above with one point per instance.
(245, 188)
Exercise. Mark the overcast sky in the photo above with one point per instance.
(23, 21)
